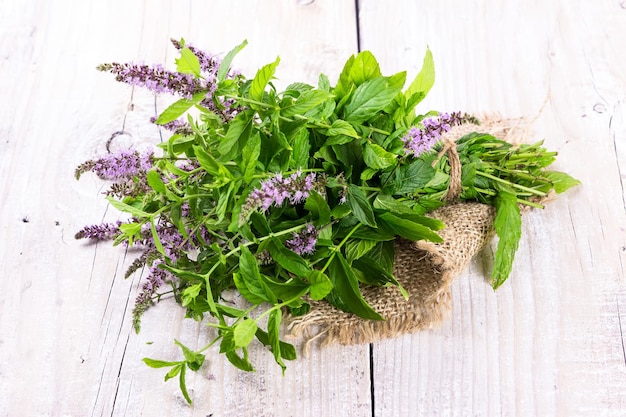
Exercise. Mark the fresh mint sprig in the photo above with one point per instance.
(295, 195)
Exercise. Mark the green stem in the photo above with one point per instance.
(338, 247)
(519, 187)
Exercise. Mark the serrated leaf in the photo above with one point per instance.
(423, 82)
(341, 127)
(251, 152)
(321, 285)
(188, 62)
(361, 208)
(228, 59)
(377, 157)
(357, 248)
(244, 332)
(318, 207)
(174, 371)
(237, 134)
(288, 259)
(178, 108)
(239, 362)
(307, 100)
(508, 227)
(408, 178)
(364, 68)
(273, 331)
(372, 96)
(287, 350)
(127, 208)
(190, 294)
(248, 280)
(301, 147)
(406, 228)
(155, 181)
(263, 76)
(345, 84)
(346, 289)
(154, 363)
(561, 181)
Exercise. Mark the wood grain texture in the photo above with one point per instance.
(549, 342)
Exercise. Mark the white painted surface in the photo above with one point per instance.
(549, 342)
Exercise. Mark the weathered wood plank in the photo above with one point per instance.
(550, 341)
(66, 344)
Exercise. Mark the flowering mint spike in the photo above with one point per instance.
(417, 141)
(277, 190)
(304, 242)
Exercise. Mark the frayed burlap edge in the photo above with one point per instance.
(426, 270)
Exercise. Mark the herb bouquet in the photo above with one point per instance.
(302, 197)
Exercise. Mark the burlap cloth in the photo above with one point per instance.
(426, 270)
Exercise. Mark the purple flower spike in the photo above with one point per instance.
(303, 243)
(417, 141)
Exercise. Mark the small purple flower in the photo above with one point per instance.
(303, 242)
(155, 279)
(116, 166)
(417, 141)
(104, 231)
(177, 126)
(277, 190)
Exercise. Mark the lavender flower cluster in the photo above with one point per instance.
(417, 141)
(159, 80)
(104, 231)
(304, 242)
(125, 164)
(278, 189)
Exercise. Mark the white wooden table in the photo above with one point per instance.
(548, 343)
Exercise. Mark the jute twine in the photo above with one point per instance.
(426, 270)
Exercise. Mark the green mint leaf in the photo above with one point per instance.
(341, 127)
(263, 76)
(228, 59)
(377, 157)
(318, 207)
(508, 226)
(307, 100)
(237, 134)
(346, 289)
(188, 63)
(178, 108)
(194, 359)
(228, 341)
(287, 350)
(364, 68)
(561, 181)
(408, 229)
(154, 363)
(408, 178)
(174, 371)
(321, 285)
(357, 248)
(244, 332)
(248, 280)
(288, 259)
(377, 275)
(190, 293)
(373, 96)
(323, 82)
(134, 211)
(361, 208)
(345, 85)
(251, 152)
(301, 150)
(155, 181)
(239, 362)
(423, 82)
(388, 203)
(183, 384)
(273, 330)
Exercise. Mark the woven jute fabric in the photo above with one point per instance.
(425, 269)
